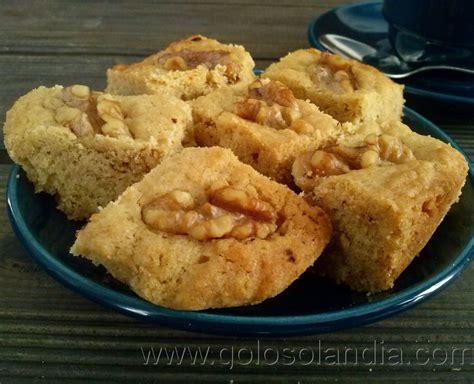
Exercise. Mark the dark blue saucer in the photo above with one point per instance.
(364, 22)
(310, 305)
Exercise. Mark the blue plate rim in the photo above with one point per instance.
(419, 92)
(264, 325)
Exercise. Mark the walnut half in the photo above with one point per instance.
(375, 150)
(186, 59)
(86, 113)
(334, 73)
(228, 212)
(272, 104)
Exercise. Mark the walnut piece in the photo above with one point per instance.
(76, 96)
(334, 73)
(375, 150)
(87, 114)
(71, 106)
(228, 213)
(109, 111)
(187, 59)
(272, 92)
(234, 199)
(327, 164)
(272, 104)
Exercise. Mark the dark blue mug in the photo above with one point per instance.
(431, 30)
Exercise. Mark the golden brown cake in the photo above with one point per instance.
(203, 230)
(186, 69)
(386, 194)
(264, 125)
(346, 89)
(86, 147)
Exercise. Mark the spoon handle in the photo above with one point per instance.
(429, 68)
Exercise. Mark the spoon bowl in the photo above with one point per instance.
(391, 65)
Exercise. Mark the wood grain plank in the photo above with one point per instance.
(141, 27)
(268, 374)
(160, 375)
(104, 27)
(51, 334)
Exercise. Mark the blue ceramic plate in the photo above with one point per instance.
(364, 22)
(310, 305)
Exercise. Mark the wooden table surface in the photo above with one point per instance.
(50, 334)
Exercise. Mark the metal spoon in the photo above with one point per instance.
(389, 64)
